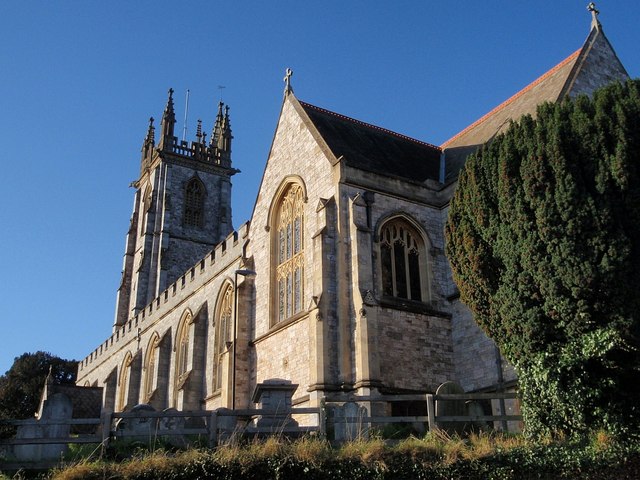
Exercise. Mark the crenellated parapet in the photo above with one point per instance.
(221, 260)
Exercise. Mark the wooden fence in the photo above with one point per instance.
(213, 426)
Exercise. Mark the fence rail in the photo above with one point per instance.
(213, 424)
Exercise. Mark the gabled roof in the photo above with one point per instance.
(592, 66)
(374, 149)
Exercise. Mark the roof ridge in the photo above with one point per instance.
(369, 125)
(511, 99)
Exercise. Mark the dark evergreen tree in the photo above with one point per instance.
(21, 386)
(544, 241)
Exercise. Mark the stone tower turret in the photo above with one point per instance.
(182, 208)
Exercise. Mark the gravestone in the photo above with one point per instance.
(138, 429)
(348, 421)
(450, 408)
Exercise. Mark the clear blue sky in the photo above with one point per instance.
(79, 80)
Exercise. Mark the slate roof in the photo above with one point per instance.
(375, 149)
(594, 65)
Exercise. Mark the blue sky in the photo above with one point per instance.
(79, 80)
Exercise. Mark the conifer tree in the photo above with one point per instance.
(544, 242)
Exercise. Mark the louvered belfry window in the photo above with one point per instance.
(290, 253)
(401, 257)
(194, 204)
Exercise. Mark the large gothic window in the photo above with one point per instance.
(289, 253)
(223, 333)
(403, 262)
(194, 203)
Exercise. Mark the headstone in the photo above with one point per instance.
(450, 408)
(138, 429)
(58, 407)
(348, 421)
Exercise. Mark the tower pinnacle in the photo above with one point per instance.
(168, 122)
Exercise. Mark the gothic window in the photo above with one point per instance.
(182, 349)
(289, 253)
(223, 333)
(150, 367)
(123, 382)
(403, 262)
(194, 203)
(146, 206)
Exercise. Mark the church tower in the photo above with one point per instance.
(182, 208)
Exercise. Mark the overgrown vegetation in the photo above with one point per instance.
(544, 240)
(436, 456)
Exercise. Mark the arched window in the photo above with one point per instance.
(194, 203)
(289, 253)
(123, 382)
(403, 262)
(182, 349)
(151, 367)
(223, 333)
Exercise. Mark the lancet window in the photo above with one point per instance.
(223, 333)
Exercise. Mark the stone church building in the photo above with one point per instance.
(338, 283)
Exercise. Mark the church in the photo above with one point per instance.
(337, 285)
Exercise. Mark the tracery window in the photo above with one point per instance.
(223, 333)
(290, 253)
(194, 203)
(403, 261)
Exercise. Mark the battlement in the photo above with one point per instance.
(217, 262)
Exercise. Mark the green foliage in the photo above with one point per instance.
(544, 241)
(21, 386)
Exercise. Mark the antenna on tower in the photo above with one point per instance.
(186, 112)
(221, 87)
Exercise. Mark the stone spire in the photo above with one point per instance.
(168, 122)
(199, 136)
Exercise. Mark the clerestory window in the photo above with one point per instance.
(403, 262)
(289, 241)
(194, 203)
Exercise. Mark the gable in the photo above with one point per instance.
(593, 66)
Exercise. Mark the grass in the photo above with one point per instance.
(435, 455)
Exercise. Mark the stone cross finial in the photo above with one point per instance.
(594, 15)
(287, 81)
